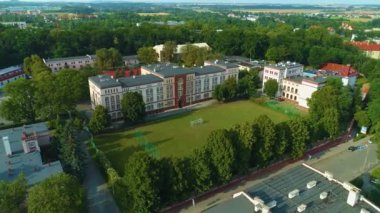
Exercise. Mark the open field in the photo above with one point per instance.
(174, 136)
(153, 14)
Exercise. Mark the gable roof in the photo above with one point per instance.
(342, 70)
(363, 45)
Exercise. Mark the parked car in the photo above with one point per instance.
(375, 181)
(352, 148)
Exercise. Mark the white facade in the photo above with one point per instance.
(57, 64)
(20, 24)
(281, 71)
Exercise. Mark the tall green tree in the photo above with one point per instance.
(20, 104)
(133, 107)
(266, 131)
(299, 133)
(248, 83)
(271, 88)
(283, 139)
(317, 56)
(362, 118)
(167, 54)
(13, 195)
(147, 55)
(108, 58)
(220, 147)
(202, 170)
(34, 64)
(247, 138)
(100, 119)
(142, 180)
(226, 91)
(58, 193)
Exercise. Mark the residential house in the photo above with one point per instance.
(10, 74)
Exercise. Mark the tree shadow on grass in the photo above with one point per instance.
(112, 138)
(119, 157)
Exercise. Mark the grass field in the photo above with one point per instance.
(175, 137)
(280, 11)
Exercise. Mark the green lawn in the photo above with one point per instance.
(174, 136)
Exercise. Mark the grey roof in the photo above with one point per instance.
(9, 69)
(104, 81)
(139, 80)
(239, 204)
(168, 70)
(277, 188)
(318, 79)
(85, 57)
(223, 64)
(297, 79)
(204, 70)
(28, 163)
(284, 65)
(130, 57)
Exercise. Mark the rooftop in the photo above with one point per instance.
(284, 65)
(104, 81)
(68, 58)
(222, 64)
(170, 70)
(139, 80)
(28, 163)
(363, 45)
(278, 188)
(9, 69)
(338, 69)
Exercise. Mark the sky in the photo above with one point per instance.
(345, 2)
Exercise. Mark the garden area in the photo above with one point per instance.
(176, 136)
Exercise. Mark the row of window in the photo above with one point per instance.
(290, 89)
(113, 103)
(110, 91)
(289, 96)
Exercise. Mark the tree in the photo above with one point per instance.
(100, 119)
(266, 134)
(201, 168)
(133, 107)
(20, 104)
(248, 83)
(13, 194)
(226, 91)
(247, 139)
(362, 118)
(192, 55)
(167, 54)
(58, 193)
(147, 55)
(271, 88)
(108, 58)
(34, 64)
(276, 53)
(142, 180)
(299, 136)
(330, 122)
(222, 154)
(317, 56)
(282, 139)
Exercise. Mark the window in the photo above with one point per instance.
(112, 103)
(206, 95)
(160, 94)
(296, 91)
(117, 102)
(206, 85)
(107, 103)
(160, 105)
(149, 95)
(222, 79)
(197, 86)
(214, 82)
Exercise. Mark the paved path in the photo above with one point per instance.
(322, 160)
(99, 198)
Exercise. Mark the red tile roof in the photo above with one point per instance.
(342, 70)
(127, 72)
(363, 45)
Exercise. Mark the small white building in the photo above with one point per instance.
(10, 74)
(77, 62)
(160, 48)
(19, 24)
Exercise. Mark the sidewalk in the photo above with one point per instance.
(99, 198)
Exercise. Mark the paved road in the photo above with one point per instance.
(99, 198)
(324, 161)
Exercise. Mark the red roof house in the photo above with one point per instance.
(365, 46)
(340, 69)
